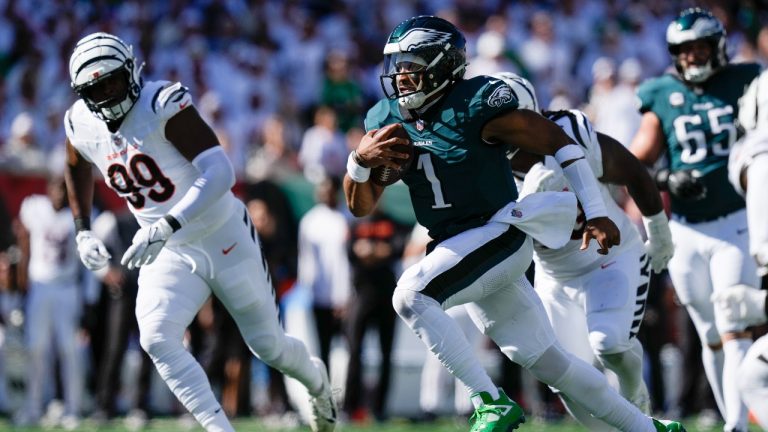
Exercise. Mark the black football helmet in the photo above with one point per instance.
(430, 52)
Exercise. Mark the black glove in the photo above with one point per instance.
(683, 184)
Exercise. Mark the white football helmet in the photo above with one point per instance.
(521, 88)
(96, 57)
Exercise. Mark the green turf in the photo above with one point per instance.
(173, 425)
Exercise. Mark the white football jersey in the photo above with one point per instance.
(139, 163)
(53, 254)
(569, 262)
(752, 144)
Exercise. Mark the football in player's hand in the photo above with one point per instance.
(384, 175)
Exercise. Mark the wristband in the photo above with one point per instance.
(357, 172)
(173, 222)
(82, 224)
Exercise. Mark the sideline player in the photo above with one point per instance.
(196, 238)
(689, 116)
(463, 191)
(54, 303)
(596, 302)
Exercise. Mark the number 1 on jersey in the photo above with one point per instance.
(425, 163)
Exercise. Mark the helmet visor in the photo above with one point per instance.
(403, 74)
(107, 91)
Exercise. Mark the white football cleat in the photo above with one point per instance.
(323, 417)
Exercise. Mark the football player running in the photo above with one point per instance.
(196, 238)
(463, 191)
(688, 115)
(748, 165)
(596, 302)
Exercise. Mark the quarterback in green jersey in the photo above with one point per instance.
(463, 192)
(689, 116)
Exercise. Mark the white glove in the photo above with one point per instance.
(92, 251)
(147, 243)
(659, 246)
(742, 303)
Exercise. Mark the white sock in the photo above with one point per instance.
(443, 336)
(217, 422)
(187, 380)
(587, 387)
(736, 411)
(753, 380)
(628, 367)
(713, 368)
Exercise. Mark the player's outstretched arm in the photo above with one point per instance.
(623, 168)
(78, 176)
(531, 132)
(375, 149)
(195, 140)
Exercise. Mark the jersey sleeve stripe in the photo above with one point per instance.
(154, 100)
(180, 94)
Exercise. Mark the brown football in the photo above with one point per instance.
(385, 176)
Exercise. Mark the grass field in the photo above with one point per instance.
(173, 425)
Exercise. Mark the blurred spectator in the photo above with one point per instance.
(54, 303)
(490, 57)
(113, 324)
(376, 245)
(273, 156)
(323, 148)
(22, 152)
(341, 92)
(323, 262)
(612, 103)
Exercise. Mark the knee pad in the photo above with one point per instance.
(160, 338)
(267, 347)
(607, 340)
(408, 303)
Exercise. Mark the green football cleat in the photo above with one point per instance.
(668, 426)
(500, 415)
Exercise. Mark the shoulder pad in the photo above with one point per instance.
(377, 115)
(170, 99)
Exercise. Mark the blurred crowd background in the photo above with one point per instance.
(285, 84)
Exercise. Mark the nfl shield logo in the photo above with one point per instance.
(419, 125)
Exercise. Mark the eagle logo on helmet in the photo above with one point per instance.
(419, 37)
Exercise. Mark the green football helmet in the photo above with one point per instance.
(695, 24)
(422, 57)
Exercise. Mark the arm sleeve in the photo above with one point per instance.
(216, 178)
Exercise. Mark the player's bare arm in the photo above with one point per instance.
(531, 132)
(189, 133)
(78, 176)
(648, 143)
(376, 149)
(621, 167)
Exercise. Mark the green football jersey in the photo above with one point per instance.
(698, 124)
(456, 180)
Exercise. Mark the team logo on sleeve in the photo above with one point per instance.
(500, 96)
(676, 99)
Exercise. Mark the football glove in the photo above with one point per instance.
(742, 303)
(659, 246)
(683, 184)
(92, 251)
(147, 243)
